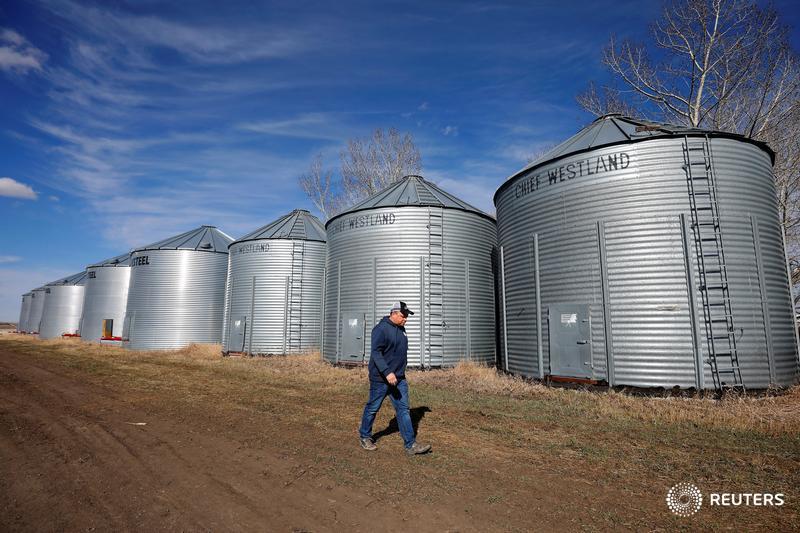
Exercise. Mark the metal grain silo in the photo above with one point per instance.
(416, 243)
(62, 307)
(105, 299)
(648, 255)
(24, 312)
(176, 294)
(274, 293)
(38, 297)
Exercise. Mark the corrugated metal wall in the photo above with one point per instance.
(372, 265)
(175, 299)
(632, 218)
(62, 311)
(24, 312)
(649, 303)
(762, 300)
(469, 313)
(106, 298)
(38, 297)
(283, 309)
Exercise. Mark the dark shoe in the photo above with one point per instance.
(417, 449)
(368, 444)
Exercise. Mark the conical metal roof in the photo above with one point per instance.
(412, 191)
(74, 279)
(202, 239)
(613, 129)
(119, 260)
(297, 225)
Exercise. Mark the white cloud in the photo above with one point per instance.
(475, 191)
(202, 43)
(9, 36)
(475, 181)
(450, 130)
(149, 151)
(220, 185)
(54, 198)
(215, 45)
(325, 126)
(423, 106)
(15, 189)
(524, 153)
(9, 259)
(17, 54)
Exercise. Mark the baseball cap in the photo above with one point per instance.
(402, 307)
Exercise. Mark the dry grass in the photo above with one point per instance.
(772, 414)
(76, 346)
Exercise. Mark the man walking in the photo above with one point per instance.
(387, 377)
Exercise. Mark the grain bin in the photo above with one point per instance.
(38, 296)
(649, 255)
(177, 291)
(62, 307)
(105, 299)
(24, 312)
(416, 243)
(274, 292)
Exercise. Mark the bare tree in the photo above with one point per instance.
(725, 65)
(605, 101)
(318, 185)
(715, 53)
(539, 153)
(367, 166)
(784, 138)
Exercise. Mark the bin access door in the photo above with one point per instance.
(570, 340)
(353, 331)
(236, 334)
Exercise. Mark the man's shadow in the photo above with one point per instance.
(417, 414)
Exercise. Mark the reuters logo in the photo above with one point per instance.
(684, 499)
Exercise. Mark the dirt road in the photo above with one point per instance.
(79, 457)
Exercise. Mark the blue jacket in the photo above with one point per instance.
(389, 351)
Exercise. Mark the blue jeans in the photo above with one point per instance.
(399, 395)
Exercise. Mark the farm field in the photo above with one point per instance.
(97, 438)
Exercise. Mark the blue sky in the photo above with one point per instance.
(125, 122)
